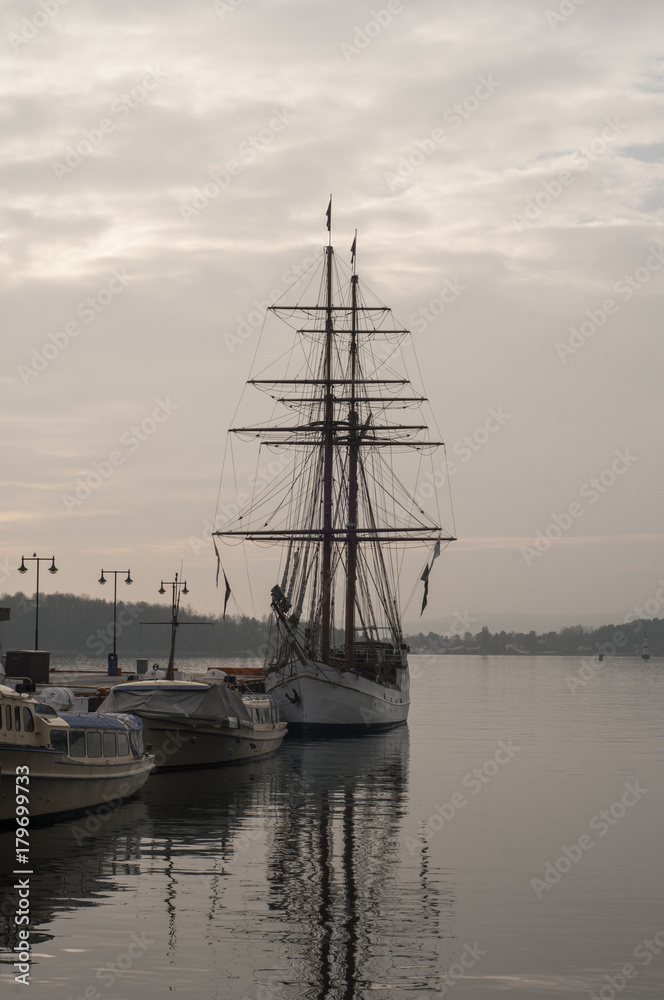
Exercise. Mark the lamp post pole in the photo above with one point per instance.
(24, 569)
(113, 657)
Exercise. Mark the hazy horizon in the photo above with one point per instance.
(468, 620)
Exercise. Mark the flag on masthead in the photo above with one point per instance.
(425, 576)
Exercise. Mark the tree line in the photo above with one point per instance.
(626, 639)
(70, 625)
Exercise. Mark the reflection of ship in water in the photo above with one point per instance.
(83, 861)
(361, 917)
(289, 875)
(68, 870)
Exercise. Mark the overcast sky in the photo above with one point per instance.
(510, 150)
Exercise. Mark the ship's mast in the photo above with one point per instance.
(353, 449)
(328, 457)
(324, 431)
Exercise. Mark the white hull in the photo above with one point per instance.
(59, 785)
(193, 746)
(317, 694)
(188, 724)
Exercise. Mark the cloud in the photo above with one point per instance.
(220, 82)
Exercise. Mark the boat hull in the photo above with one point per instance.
(189, 746)
(316, 695)
(58, 786)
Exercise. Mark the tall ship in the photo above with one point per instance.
(336, 652)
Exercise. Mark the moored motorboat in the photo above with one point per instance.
(72, 761)
(191, 724)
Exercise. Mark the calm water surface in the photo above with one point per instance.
(438, 859)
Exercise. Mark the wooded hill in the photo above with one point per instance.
(69, 625)
(623, 639)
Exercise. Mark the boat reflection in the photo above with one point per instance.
(292, 873)
(88, 858)
(356, 907)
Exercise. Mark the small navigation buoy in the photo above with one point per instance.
(645, 655)
(601, 657)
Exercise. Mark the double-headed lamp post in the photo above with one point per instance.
(113, 657)
(24, 569)
(179, 586)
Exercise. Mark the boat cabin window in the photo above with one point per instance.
(109, 745)
(44, 709)
(59, 740)
(8, 716)
(94, 744)
(123, 745)
(17, 718)
(28, 721)
(76, 743)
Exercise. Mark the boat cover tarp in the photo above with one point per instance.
(177, 704)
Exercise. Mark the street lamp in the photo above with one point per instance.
(179, 586)
(113, 657)
(24, 569)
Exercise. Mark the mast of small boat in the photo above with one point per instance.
(178, 586)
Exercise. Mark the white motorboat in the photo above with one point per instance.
(191, 724)
(67, 762)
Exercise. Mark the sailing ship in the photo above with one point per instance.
(336, 653)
